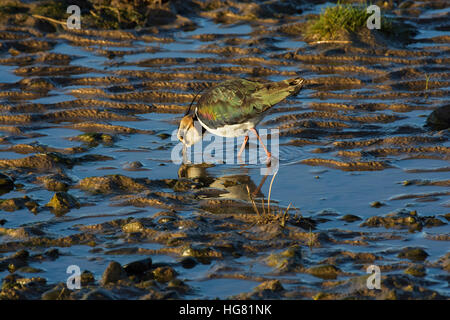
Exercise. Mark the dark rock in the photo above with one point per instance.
(113, 273)
(62, 202)
(286, 261)
(135, 165)
(324, 271)
(416, 271)
(414, 254)
(164, 274)
(21, 255)
(6, 184)
(52, 253)
(133, 227)
(432, 222)
(87, 278)
(350, 218)
(403, 219)
(439, 119)
(270, 285)
(14, 204)
(55, 182)
(178, 286)
(138, 267)
(111, 184)
(188, 263)
(57, 293)
(377, 204)
(15, 261)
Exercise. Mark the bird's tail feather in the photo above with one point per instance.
(277, 91)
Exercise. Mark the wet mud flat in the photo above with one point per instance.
(86, 119)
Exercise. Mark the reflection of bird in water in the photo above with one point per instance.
(233, 108)
(234, 185)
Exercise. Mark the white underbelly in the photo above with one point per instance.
(232, 130)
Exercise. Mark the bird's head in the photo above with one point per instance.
(188, 132)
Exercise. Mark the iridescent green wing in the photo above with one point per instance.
(237, 101)
(231, 102)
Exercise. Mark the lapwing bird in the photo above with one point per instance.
(233, 108)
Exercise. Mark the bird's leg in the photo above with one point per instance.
(243, 146)
(269, 155)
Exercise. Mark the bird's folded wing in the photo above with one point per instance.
(232, 102)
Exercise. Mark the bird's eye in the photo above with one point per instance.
(181, 138)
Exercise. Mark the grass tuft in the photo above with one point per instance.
(269, 215)
(334, 21)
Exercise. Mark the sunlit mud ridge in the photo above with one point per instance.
(86, 124)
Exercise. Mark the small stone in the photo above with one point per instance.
(138, 267)
(87, 278)
(439, 119)
(324, 271)
(416, 271)
(55, 182)
(53, 185)
(21, 255)
(178, 285)
(62, 202)
(133, 226)
(398, 219)
(109, 184)
(433, 222)
(188, 263)
(286, 261)
(164, 274)
(198, 252)
(93, 139)
(31, 281)
(135, 165)
(13, 204)
(376, 204)
(28, 269)
(52, 253)
(6, 184)
(350, 218)
(414, 254)
(270, 285)
(57, 293)
(164, 220)
(113, 273)
(164, 136)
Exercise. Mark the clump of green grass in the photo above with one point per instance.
(334, 21)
